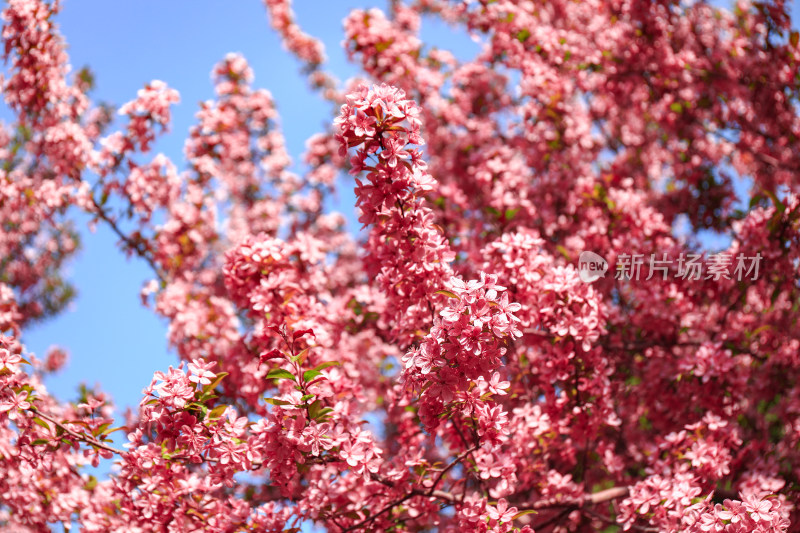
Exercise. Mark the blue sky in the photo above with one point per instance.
(112, 340)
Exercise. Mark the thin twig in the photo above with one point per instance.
(89, 440)
(105, 217)
(457, 460)
(379, 513)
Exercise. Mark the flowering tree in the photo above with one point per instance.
(506, 390)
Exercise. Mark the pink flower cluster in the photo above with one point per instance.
(751, 514)
(303, 45)
(462, 351)
(449, 370)
(407, 254)
(148, 110)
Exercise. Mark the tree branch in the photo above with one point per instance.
(379, 513)
(84, 438)
(587, 499)
(105, 217)
(457, 460)
(567, 506)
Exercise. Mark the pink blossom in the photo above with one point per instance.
(502, 512)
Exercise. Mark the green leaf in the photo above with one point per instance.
(280, 373)
(217, 412)
(327, 364)
(780, 207)
(317, 412)
(759, 330)
(523, 513)
(322, 415)
(754, 201)
(308, 375)
(314, 409)
(448, 294)
(275, 401)
(563, 251)
(41, 422)
(202, 408)
(522, 35)
(300, 357)
(100, 429)
(213, 385)
(39, 442)
(676, 107)
(775, 294)
(91, 483)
